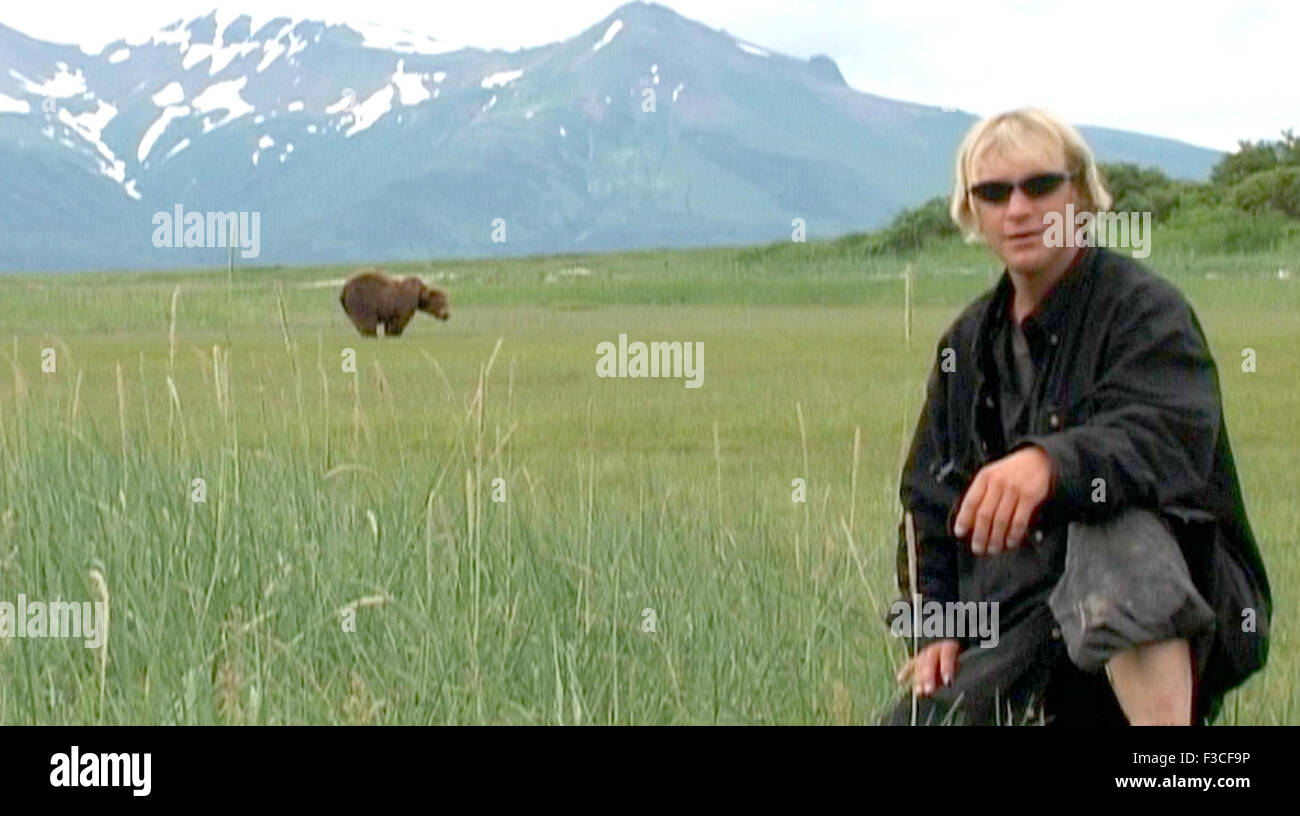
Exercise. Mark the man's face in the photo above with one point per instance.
(1014, 228)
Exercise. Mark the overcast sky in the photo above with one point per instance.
(1209, 74)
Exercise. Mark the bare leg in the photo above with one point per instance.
(1153, 683)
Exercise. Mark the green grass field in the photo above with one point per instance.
(374, 490)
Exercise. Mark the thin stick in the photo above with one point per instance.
(853, 478)
(907, 304)
(916, 595)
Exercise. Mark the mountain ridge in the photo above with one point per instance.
(644, 129)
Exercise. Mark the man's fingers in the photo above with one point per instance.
(1001, 520)
(979, 537)
(948, 662)
(934, 665)
(969, 504)
(923, 672)
(905, 671)
(1019, 524)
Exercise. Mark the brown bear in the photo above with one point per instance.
(371, 297)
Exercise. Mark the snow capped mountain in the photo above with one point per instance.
(192, 78)
(358, 142)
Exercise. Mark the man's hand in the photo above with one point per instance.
(1002, 498)
(935, 662)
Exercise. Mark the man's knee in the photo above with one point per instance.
(1125, 584)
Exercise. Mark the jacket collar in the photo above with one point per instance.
(1051, 313)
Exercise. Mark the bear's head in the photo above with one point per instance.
(434, 301)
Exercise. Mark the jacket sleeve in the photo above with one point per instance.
(928, 489)
(1152, 417)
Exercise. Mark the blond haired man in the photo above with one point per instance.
(1072, 465)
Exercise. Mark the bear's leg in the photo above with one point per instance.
(366, 325)
(394, 325)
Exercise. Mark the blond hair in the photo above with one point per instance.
(1025, 130)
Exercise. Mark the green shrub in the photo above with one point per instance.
(1277, 189)
(1227, 229)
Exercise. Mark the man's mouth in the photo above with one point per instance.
(1020, 236)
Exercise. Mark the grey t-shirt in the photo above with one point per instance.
(1016, 373)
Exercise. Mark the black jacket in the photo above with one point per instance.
(1127, 393)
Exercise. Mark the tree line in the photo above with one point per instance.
(1251, 201)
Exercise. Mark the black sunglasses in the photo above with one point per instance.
(997, 192)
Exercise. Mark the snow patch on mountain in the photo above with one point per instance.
(297, 45)
(120, 55)
(264, 143)
(295, 106)
(155, 130)
(273, 48)
(389, 38)
(370, 111)
(178, 33)
(752, 49)
(410, 87)
(222, 96)
(171, 94)
(10, 105)
(62, 85)
(346, 101)
(90, 126)
(220, 54)
(501, 78)
(610, 34)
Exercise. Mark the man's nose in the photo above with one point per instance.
(1020, 204)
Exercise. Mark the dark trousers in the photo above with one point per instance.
(1125, 584)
